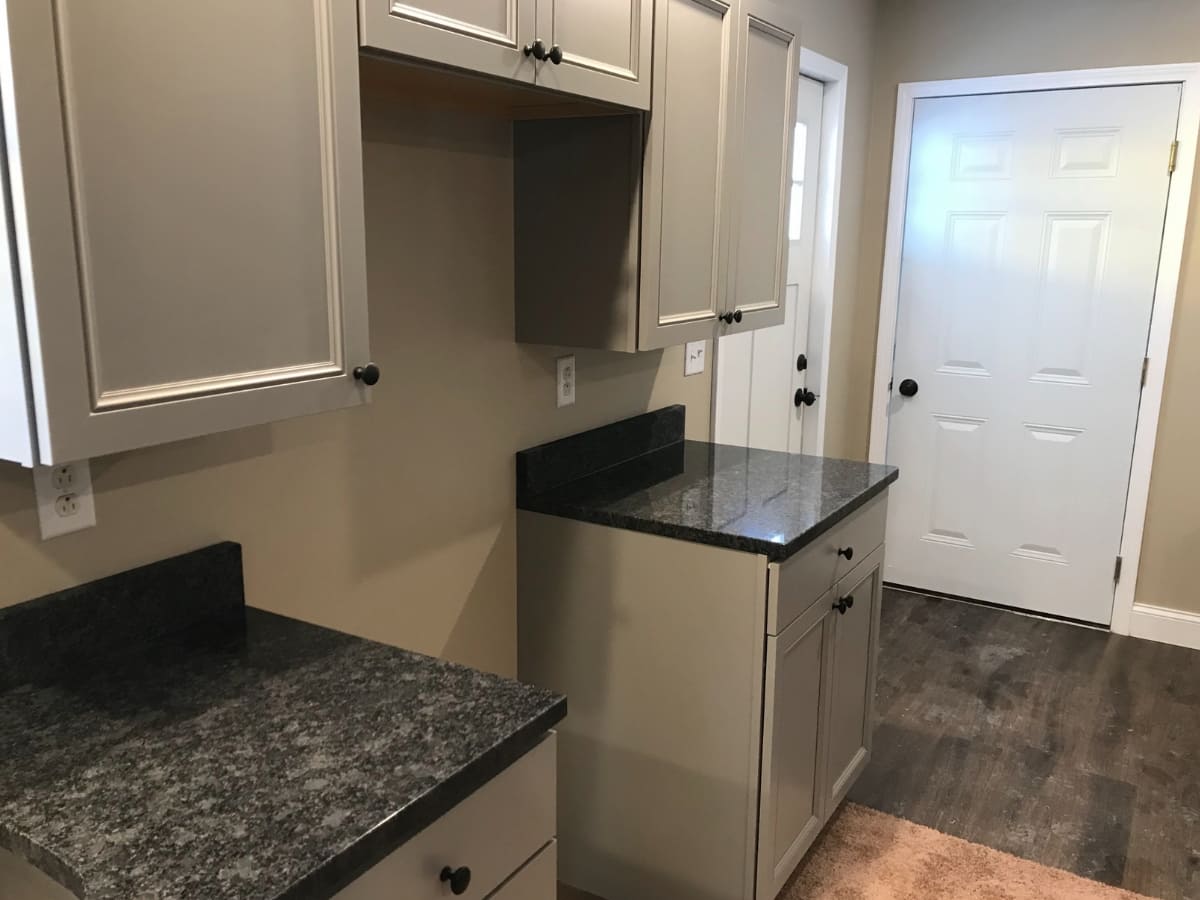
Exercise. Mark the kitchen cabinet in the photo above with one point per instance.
(687, 239)
(724, 701)
(499, 843)
(186, 218)
(599, 49)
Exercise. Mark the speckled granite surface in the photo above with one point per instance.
(759, 501)
(272, 760)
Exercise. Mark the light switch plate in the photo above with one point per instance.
(693, 357)
(64, 498)
(565, 390)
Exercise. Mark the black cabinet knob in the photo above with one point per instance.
(846, 603)
(804, 397)
(847, 552)
(737, 315)
(727, 318)
(909, 388)
(801, 363)
(555, 54)
(460, 879)
(368, 374)
(537, 50)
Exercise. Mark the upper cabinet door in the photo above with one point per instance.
(684, 227)
(486, 36)
(768, 67)
(187, 212)
(602, 48)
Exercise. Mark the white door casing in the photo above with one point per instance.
(757, 375)
(1032, 238)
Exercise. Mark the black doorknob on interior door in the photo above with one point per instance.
(805, 397)
(909, 388)
(368, 374)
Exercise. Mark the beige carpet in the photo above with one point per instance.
(867, 855)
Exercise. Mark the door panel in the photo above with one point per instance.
(485, 36)
(606, 48)
(790, 808)
(769, 63)
(854, 643)
(683, 230)
(1031, 248)
(194, 243)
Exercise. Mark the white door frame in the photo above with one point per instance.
(1127, 616)
(833, 75)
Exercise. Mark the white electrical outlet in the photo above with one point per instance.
(565, 392)
(64, 495)
(693, 357)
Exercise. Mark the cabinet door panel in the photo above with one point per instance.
(790, 808)
(191, 232)
(485, 36)
(606, 48)
(769, 67)
(850, 714)
(683, 230)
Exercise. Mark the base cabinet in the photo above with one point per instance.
(722, 703)
(501, 837)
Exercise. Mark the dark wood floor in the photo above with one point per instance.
(1065, 745)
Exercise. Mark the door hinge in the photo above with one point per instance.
(1145, 369)
(1173, 158)
(1117, 569)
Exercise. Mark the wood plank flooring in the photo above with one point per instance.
(1065, 745)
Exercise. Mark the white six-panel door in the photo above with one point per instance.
(1031, 245)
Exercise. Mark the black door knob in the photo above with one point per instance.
(805, 397)
(368, 374)
(844, 604)
(801, 363)
(555, 54)
(537, 50)
(909, 388)
(460, 879)
(847, 552)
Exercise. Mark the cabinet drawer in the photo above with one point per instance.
(493, 832)
(537, 880)
(796, 583)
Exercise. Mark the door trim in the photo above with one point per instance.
(833, 75)
(1165, 294)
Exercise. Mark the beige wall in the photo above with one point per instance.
(396, 521)
(923, 40)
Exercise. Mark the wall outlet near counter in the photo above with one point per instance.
(64, 496)
(693, 357)
(565, 391)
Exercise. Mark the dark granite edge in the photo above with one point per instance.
(774, 552)
(374, 846)
(42, 858)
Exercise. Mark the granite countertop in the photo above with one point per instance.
(254, 756)
(641, 475)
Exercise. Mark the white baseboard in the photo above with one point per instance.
(1167, 626)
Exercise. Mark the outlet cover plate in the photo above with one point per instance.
(565, 383)
(53, 484)
(693, 357)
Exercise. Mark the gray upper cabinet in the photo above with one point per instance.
(687, 239)
(486, 36)
(768, 66)
(603, 48)
(187, 220)
(599, 49)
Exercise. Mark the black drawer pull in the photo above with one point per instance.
(460, 879)
(847, 552)
(844, 604)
